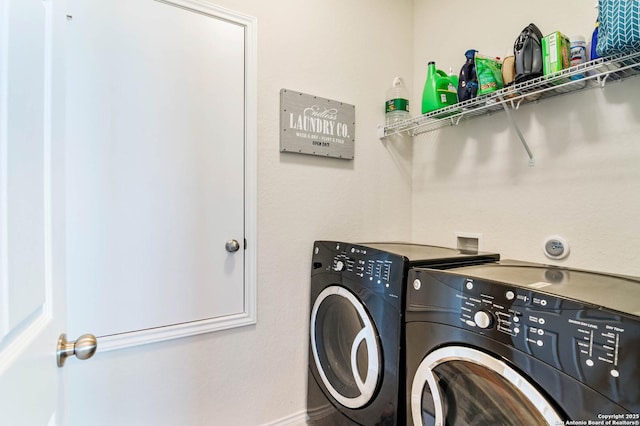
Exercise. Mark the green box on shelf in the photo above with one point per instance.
(556, 49)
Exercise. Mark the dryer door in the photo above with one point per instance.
(345, 347)
(457, 385)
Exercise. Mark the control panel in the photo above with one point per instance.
(525, 319)
(370, 268)
(588, 342)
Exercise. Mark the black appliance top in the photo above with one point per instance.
(419, 254)
(382, 267)
(616, 292)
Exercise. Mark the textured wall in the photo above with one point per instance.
(344, 50)
(585, 184)
(472, 178)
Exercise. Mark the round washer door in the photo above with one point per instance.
(457, 385)
(345, 347)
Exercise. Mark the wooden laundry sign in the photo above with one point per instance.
(318, 126)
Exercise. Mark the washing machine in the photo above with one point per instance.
(513, 343)
(356, 364)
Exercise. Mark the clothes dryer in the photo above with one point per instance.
(356, 363)
(514, 343)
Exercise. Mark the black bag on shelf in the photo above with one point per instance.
(527, 51)
(467, 79)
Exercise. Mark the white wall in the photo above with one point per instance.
(473, 178)
(585, 185)
(344, 50)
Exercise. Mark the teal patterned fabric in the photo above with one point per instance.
(619, 27)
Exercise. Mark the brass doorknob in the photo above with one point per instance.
(83, 348)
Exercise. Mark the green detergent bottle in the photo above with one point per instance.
(440, 89)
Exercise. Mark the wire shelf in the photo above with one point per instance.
(588, 75)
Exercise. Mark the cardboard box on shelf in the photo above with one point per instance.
(556, 52)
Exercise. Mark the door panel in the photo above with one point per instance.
(155, 165)
(460, 385)
(31, 288)
(346, 352)
(23, 149)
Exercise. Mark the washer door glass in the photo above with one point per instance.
(456, 386)
(345, 347)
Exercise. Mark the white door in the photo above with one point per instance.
(125, 136)
(31, 210)
(155, 165)
(157, 141)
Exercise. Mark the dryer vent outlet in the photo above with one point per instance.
(468, 242)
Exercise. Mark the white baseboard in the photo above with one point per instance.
(297, 419)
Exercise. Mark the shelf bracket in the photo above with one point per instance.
(456, 120)
(515, 127)
(515, 105)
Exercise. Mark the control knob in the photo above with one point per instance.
(339, 266)
(483, 319)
